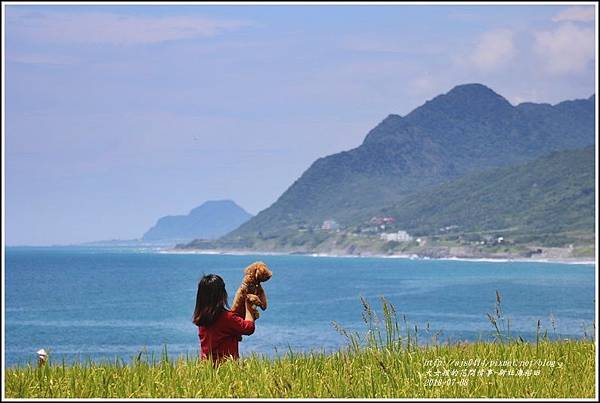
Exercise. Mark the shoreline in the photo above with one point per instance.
(556, 260)
(414, 256)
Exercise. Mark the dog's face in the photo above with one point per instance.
(258, 272)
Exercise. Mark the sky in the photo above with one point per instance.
(116, 115)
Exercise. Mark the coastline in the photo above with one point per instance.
(498, 259)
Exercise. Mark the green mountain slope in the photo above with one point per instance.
(469, 129)
(546, 202)
(551, 195)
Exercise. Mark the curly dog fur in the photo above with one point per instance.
(251, 289)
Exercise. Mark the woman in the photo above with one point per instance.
(219, 329)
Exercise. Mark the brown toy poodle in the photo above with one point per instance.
(251, 289)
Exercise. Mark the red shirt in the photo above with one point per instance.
(221, 338)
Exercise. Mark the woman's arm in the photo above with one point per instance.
(237, 325)
(248, 313)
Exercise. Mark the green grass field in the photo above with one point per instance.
(385, 362)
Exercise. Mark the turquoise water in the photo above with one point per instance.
(100, 303)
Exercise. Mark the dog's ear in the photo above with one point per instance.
(250, 272)
(253, 270)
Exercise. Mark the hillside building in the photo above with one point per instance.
(330, 225)
(400, 236)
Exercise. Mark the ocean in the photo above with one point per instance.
(97, 303)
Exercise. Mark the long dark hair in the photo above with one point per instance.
(211, 300)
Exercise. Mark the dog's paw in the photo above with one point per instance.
(254, 302)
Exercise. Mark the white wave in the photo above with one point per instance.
(399, 256)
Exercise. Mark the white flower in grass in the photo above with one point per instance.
(42, 356)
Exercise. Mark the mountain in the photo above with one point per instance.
(469, 129)
(549, 201)
(550, 196)
(209, 221)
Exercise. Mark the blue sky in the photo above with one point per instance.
(118, 115)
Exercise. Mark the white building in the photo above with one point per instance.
(330, 225)
(400, 236)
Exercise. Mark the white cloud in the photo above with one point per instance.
(576, 14)
(108, 28)
(41, 59)
(567, 49)
(531, 95)
(423, 85)
(494, 49)
(382, 44)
